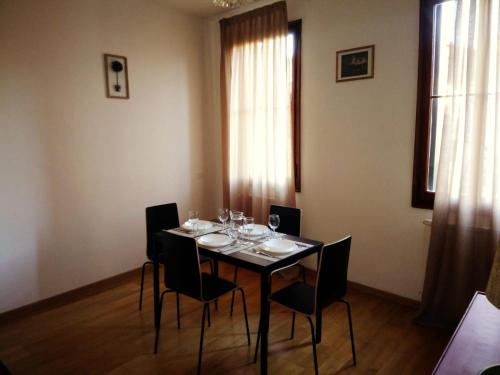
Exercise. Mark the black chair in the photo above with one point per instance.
(331, 287)
(183, 275)
(289, 219)
(289, 224)
(164, 216)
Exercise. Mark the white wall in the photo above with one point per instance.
(357, 137)
(78, 169)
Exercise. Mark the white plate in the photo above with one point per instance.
(278, 246)
(202, 225)
(258, 230)
(214, 240)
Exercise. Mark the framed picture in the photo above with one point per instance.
(355, 63)
(116, 76)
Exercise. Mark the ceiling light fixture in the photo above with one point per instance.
(227, 3)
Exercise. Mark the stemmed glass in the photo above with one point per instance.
(249, 224)
(193, 218)
(274, 222)
(223, 214)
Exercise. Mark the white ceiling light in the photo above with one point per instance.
(227, 3)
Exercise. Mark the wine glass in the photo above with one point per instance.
(249, 224)
(193, 218)
(274, 222)
(223, 214)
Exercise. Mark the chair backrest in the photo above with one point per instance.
(164, 216)
(331, 280)
(289, 219)
(182, 263)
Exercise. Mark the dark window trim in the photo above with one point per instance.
(421, 197)
(295, 28)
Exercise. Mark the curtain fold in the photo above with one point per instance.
(257, 137)
(466, 219)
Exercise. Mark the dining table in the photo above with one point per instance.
(245, 256)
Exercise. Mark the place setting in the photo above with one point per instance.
(237, 236)
(194, 227)
(276, 249)
(268, 244)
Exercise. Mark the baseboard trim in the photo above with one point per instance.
(69, 296)
(374, 292)
(383, 294)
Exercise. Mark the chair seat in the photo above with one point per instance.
(214, 287)
(298, 297)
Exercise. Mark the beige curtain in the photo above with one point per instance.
(465, 224)
(256, 113)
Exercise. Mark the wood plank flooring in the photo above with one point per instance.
(106, 334)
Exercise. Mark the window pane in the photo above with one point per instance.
(437, 120)
(442, 44)
(443, 38)
(290, 50)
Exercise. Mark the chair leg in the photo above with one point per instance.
(178, 311)
(159, 321)
(205, 308)
(313, 345)
(351, 333)
(232, 297)
(257, 344)
(245, 312)
(208, 316)
(211, 263)
(293, 326)
(142, 282)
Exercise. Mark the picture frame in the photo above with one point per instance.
(116, 70)
(355, 63)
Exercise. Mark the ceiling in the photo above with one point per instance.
(202, 8)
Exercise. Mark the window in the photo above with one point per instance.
(257, 83)
(437, 22)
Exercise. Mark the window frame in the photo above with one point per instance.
(421, 197)
(295, 28)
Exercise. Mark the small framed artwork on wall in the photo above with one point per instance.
(116, 76)
(355, 63)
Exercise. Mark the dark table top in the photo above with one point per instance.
(263, 265)
(251, 262)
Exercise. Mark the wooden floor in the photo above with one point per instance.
(106, 334)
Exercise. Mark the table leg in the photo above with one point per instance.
(156, 291)
(264, 317)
